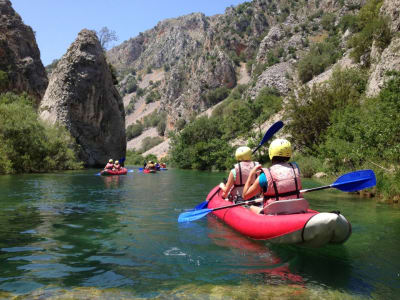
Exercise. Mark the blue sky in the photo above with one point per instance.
(58, 22)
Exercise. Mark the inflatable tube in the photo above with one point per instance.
(308, 227)
(123, 171)
(149, 171)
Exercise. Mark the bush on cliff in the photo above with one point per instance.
(27, 144)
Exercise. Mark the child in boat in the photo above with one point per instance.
(279, 182)
(239, 174)
(109, 165)
(117, 166)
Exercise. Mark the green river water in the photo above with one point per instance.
(79, 236)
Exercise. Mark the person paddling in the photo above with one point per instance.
(117, 166)
(239, 175)
(279, 182)
(109, 165)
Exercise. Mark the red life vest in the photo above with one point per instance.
(283, 182)
(242, 173)
(109, 166)
(117, 167)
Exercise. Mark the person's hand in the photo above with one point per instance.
(255, 169)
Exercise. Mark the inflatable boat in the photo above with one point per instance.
(283, 222)
(149, 171)
(123, 171)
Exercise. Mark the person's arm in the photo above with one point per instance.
(252, 189)
(227, 187)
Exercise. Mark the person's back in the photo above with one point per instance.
(117, 166)
(279, 182)
(239, 174)
(109, 165)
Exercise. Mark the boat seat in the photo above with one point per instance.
(286, 207)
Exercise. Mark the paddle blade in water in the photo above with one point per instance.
(193, 215)
(355, 181)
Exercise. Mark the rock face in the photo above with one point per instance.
(81, 96)
(19, 55)
(389, 59)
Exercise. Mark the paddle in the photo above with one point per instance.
(349, 182)
(270, 132)
(194, 215)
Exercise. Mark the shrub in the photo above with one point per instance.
(215, 96)
(328, 21)
(150, 142)
(131, 85)
(311, 111)
(3, 81)
(152, 96)
(134, 130)
(371, 26)
(29, 145)
(321, 56)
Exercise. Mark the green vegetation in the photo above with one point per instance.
(321, 56)
(215, 96)
(134, 130)
(369, 27)
(150, 142)
(3, 81)
(28, 145)
(135, 158)
(336, 124)
(205, 143)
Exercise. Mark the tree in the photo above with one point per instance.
(106, 36)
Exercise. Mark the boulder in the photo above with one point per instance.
(82, 97)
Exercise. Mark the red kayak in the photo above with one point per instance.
(285, 222)
(123, 171)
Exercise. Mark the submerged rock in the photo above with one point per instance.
(81, 96)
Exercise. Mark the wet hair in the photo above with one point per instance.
(280, 159)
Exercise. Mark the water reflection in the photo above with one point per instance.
(254, 256)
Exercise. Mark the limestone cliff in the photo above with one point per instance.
(20, 64)
(81, 96)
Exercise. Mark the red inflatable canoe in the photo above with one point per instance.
(123, 171)
(149, 171)
(306, 226)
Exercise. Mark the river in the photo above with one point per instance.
(78, 235)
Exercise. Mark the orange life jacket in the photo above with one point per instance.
(283, 182)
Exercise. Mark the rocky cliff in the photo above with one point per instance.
(196, 55)
(81, 96)
(20, 65)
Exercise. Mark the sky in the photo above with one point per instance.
(58, 22)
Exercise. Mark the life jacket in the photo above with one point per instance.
(242, 169)
(109, 166)
(283, 182)
(117, 167)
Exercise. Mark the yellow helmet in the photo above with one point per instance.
(280, 147)
(117, 162)
(243, 153)
(110, 160)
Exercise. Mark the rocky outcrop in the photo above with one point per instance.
(275, 77)
(389, 59)
(81, 96)
(19, 55)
